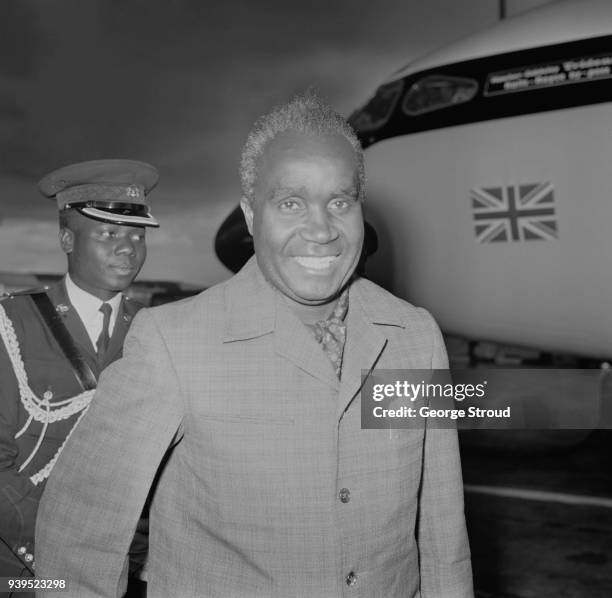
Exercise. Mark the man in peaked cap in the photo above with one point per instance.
(55, 342)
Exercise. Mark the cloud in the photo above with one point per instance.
(179, 84)
(30, 246)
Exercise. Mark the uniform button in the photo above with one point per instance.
(345, 495)
(351, 579)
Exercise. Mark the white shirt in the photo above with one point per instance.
(88, 308)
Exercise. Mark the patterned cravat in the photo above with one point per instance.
(104, 338)
(331, 333)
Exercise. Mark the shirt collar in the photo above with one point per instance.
(86, 304)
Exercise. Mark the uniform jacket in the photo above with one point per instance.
(264, 443)
(48, 371)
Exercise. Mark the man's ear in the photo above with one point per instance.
(247, 210)
(66, 239)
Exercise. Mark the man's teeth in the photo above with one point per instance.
(316, 263)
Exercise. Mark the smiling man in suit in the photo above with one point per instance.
(249, 397)
(55, 342)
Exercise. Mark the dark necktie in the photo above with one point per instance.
(104, 338)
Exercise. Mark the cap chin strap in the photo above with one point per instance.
(133, 209)
(116, 212)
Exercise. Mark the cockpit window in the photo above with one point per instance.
(438, 91)
(378, 110)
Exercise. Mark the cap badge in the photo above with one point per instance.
(133, 191)
(60, 308)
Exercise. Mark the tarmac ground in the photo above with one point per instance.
(540, 520)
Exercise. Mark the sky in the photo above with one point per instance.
(178, 84)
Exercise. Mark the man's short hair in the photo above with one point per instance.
(306, 113)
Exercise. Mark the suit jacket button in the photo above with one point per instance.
(351, 579)
(344, 495)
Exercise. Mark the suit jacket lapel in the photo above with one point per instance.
(254, 308)
(365, 343)
(294, 341)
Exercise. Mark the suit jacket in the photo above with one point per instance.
(262, 446)
(48, 371)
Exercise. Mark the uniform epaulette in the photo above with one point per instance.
(26, 292)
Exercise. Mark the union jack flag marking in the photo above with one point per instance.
(514, 213)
